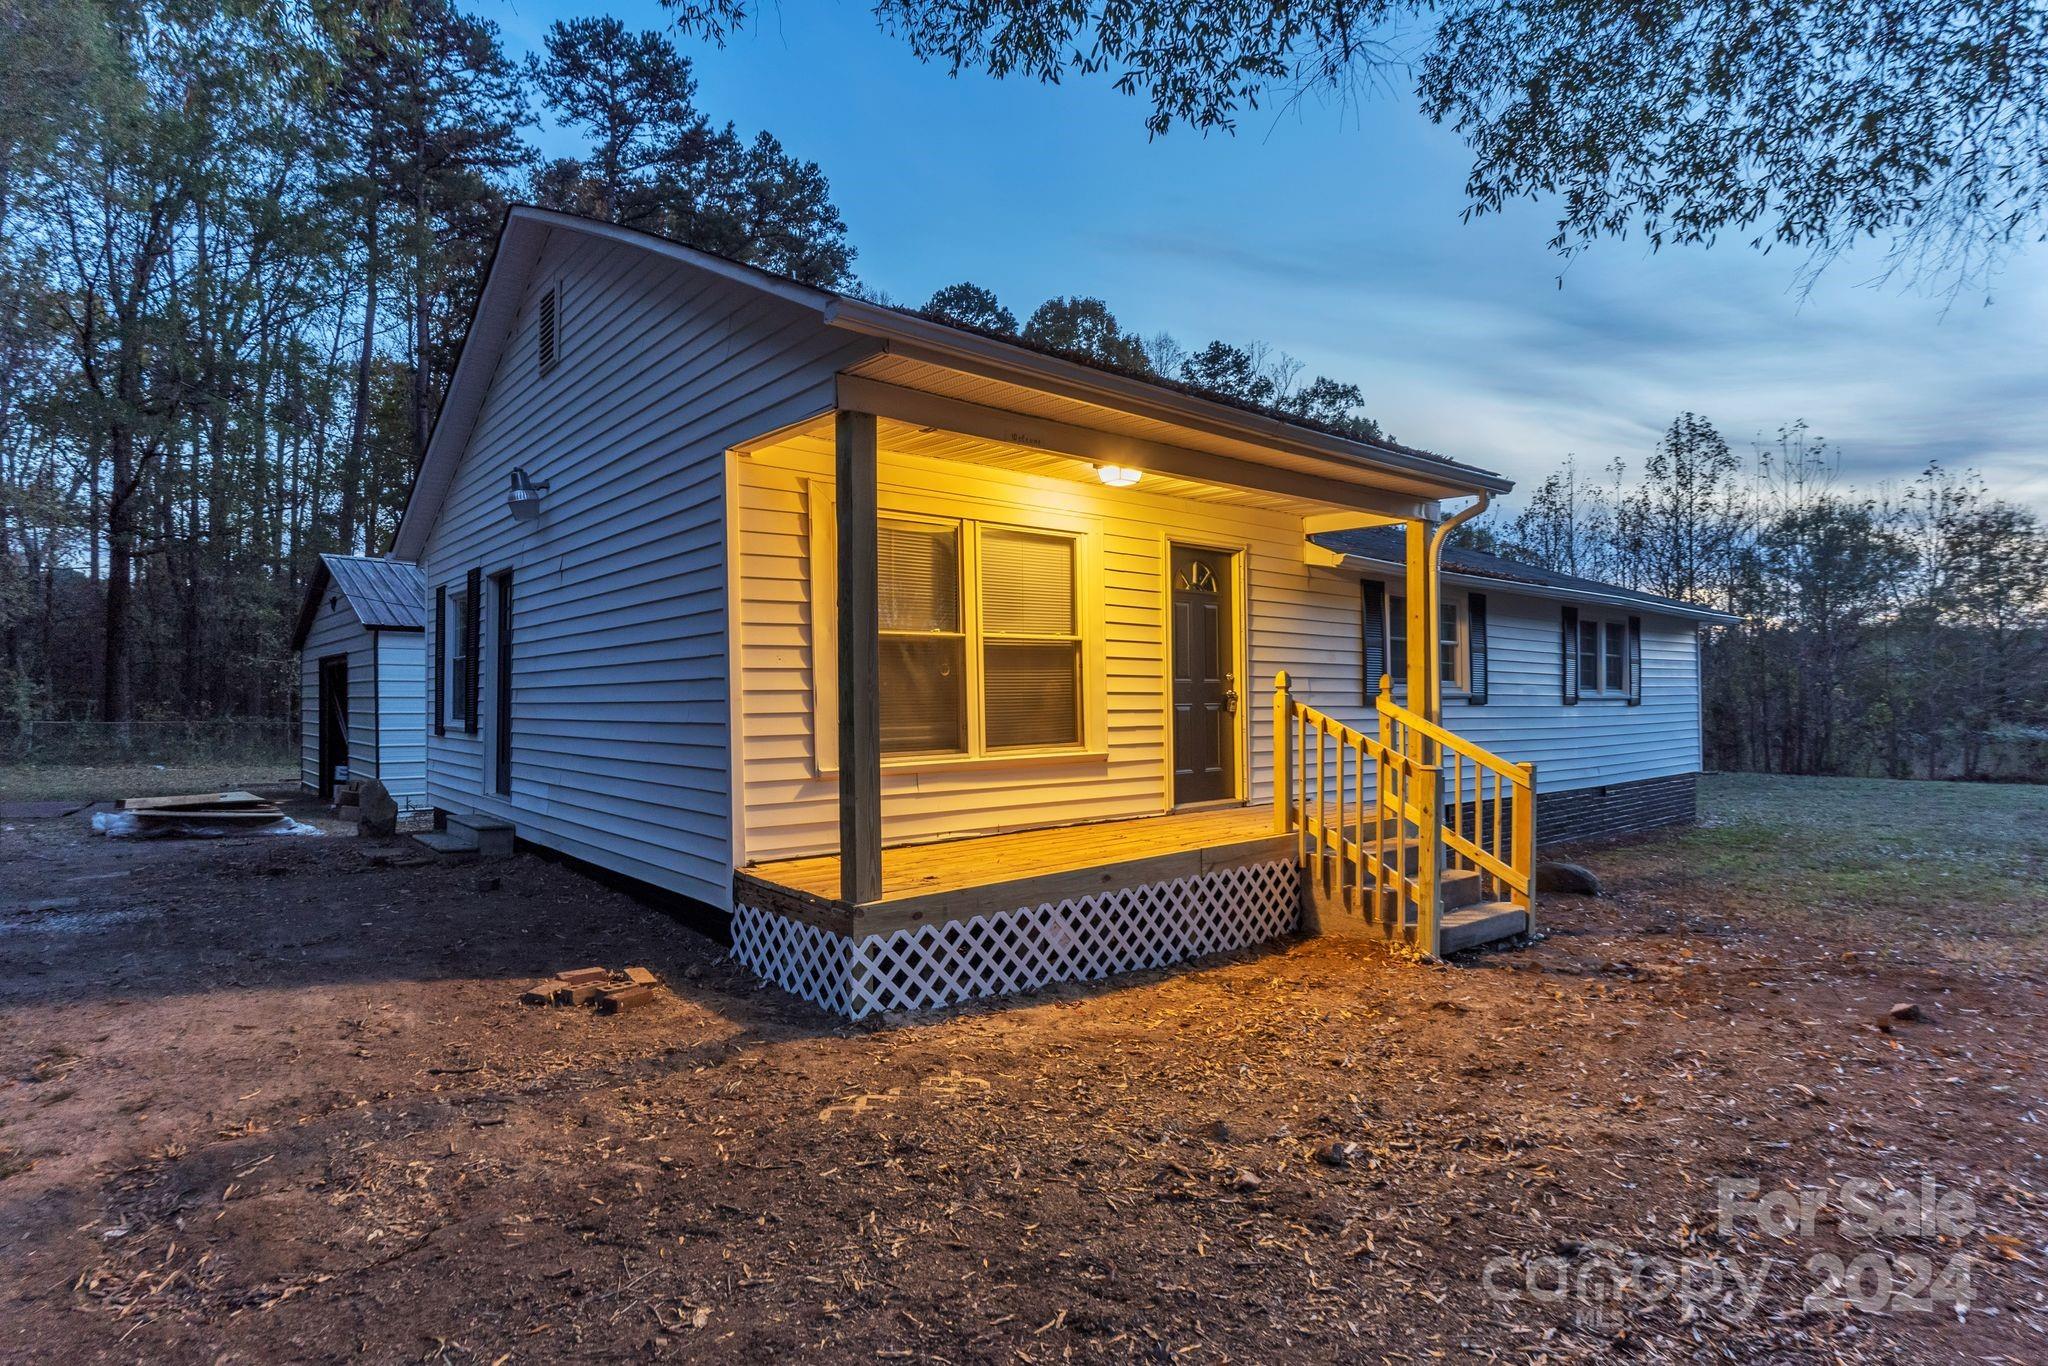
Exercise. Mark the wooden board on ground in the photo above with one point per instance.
(207, 800)
(216, 816)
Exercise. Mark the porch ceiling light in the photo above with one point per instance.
(524, 499)
(1118, 476)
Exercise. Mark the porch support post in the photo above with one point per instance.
(1425, 656)
(1423, 653)
(860, 665)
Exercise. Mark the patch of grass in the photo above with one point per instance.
(111, 782)
(1924, 857)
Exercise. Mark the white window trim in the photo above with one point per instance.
(1396, 609)
(456, 703)
(1611, 628)
(823, 595)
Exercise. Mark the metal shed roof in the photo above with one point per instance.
(385, 595)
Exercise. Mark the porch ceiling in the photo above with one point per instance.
(895, 437)
(1248, 452)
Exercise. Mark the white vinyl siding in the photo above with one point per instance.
(791, 798)
(1301, 619)
(1600, 741)
(386, 702)
(619, 695)
(402, 716)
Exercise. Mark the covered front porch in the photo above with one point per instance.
(1000, 914)
(1004, 686)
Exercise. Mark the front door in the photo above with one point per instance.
(333, 702)
(1204, 652)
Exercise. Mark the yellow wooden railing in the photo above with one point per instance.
(1489, 802)
(1368, 813)
(1363, 815)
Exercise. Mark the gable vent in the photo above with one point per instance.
(550, 328)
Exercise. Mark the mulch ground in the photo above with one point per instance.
(277, 1100)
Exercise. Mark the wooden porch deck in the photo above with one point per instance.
(953, 879)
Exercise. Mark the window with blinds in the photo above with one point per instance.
(923, 646)
(980, 661)
(1031, 640)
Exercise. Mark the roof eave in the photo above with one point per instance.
(1125, 392)
(309, 606)
(1664, 607)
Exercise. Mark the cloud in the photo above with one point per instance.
(1478, 353)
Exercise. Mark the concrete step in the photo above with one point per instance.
(488, 836)
(1461, 888)
(446, 844)
(1484, 922)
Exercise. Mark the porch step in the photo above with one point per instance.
(1461, 888)
(478, 835)
(441, 842)
(1484, 922)
(491, 838)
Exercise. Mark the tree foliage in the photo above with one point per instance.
(1086, 328)
(239, 245)
(1903, 636)
(657, 163)
(1810, 124)
(969, 305)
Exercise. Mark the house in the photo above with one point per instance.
(950, 667)
(361, 643)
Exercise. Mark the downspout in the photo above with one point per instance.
(1432, 586)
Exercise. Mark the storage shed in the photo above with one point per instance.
(362, 677)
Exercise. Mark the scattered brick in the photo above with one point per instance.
(540, 993)
(577, 976)
(577, 993)
(641, 977)
(624, 998)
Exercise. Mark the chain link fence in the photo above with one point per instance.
(266, 741)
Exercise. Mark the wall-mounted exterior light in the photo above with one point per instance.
(524, 499)
(1118, 476)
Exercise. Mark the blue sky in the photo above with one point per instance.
(1332, 231)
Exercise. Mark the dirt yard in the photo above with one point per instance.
(266, 1100)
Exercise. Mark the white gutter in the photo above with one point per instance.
(1434, 659)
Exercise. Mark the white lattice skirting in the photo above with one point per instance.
(928, 966)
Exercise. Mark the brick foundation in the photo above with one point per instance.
(1616, 809)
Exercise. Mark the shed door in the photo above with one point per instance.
(333, 702)
(1204, 649)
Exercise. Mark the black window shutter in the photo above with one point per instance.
(1476, 651)
(501, 683)
(1571, 656)
(440, 656)
(1635, 661)
(471, 632)
(1373, 633)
